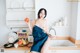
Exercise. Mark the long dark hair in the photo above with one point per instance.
(40, 12)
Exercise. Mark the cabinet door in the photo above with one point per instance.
(67, 51)
(52, 51)
(14, 51)
(19, 3)
(17, 11)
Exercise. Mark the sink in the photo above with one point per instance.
(61, 43)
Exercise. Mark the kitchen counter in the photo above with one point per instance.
(50, 48)
(20, 48)
(65, 48)
(56, 49)
(26, 49)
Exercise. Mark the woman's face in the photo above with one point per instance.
(42, 14)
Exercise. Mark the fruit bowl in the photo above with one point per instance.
(22, 42)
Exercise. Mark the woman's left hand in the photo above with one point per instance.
(52, 37)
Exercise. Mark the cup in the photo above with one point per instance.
(16, 45)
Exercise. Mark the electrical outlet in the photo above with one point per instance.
(2, 50)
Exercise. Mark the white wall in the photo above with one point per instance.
(73, 19)
(3, 28)
(55, 10)
(78, 23)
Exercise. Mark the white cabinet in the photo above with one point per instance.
(52, 51)
(65, 51)
(68, 51)
(14, 51)
(17, 11)
(19, 3)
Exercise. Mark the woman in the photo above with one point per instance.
(39, 31)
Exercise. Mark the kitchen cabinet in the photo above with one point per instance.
(17, 11)
(14, 51)
(65, 51)
(68, 51)
(50, 51)
(17, 50)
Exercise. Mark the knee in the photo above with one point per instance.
(43, 50)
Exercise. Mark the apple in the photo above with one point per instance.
(20, 42)
(26, 20)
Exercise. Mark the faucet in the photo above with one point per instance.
(52, 29)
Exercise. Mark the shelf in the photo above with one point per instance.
(20, 10)
(16, 20)
(16, 24)
(20, 15)
(17, 11)
(19, 4)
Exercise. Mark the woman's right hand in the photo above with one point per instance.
(27, 20)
